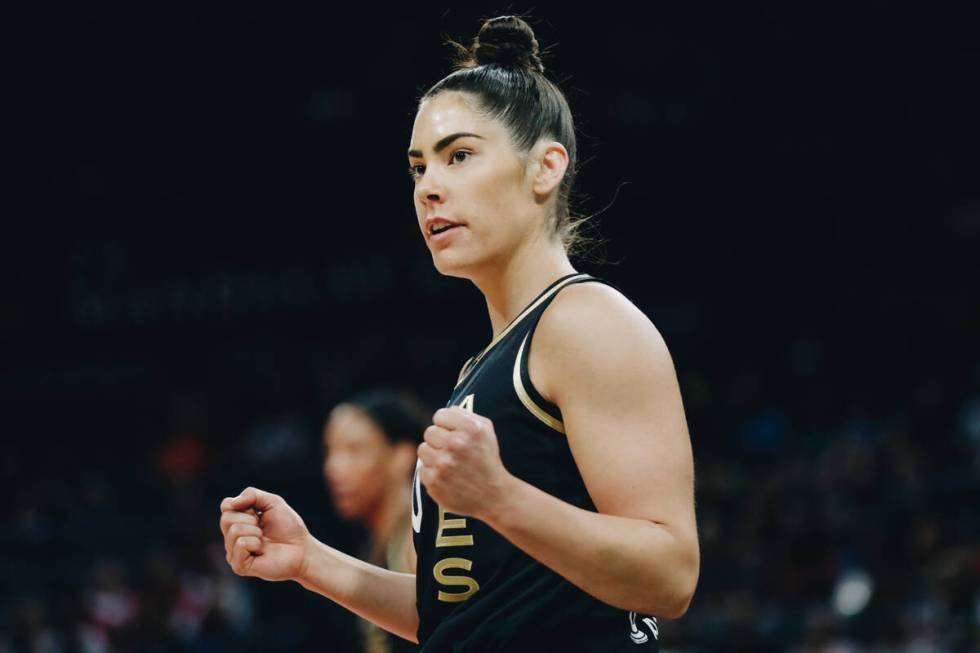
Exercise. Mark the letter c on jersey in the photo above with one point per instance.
(417, 500)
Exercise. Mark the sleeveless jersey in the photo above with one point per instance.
(475, 590)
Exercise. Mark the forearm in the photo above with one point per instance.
(633, 564)
(384, 597)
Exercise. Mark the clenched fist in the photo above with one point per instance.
(264, 537)
(461, 467)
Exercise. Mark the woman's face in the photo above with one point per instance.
(356, 466)
(467, 172)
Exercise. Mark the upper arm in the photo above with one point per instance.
(606, 366)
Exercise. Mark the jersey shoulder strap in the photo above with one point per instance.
(545, 411)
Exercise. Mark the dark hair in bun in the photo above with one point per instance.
(502, 69)
(505, 40)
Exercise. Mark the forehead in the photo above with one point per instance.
(350, 425)
(448, 113)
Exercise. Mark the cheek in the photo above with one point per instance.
(369, 469)
(348, 467)
(496, 202)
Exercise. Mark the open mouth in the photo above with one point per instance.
(439, 228)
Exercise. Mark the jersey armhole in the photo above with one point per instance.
(544, 410)
(538, 406)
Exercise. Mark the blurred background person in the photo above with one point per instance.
(370, 443)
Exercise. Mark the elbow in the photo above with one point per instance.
(680, 606)
(688, 586)
(677, 604)
(683, 583)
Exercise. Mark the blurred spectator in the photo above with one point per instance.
(370, 445)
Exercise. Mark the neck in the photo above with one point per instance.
(380, 521)
(510, 288)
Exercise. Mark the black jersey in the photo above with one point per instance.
(475, 590)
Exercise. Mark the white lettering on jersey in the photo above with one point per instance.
(417, 499)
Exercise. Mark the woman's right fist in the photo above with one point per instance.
(264, 537)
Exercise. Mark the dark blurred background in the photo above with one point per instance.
(211, 241)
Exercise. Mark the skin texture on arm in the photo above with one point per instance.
(603, 362)
(384, 597)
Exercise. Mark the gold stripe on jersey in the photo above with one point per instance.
(462, 370)
(476, 359)
(525, 398)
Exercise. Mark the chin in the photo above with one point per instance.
(449, 268)
(452, 264)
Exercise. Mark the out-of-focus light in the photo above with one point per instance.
(852, 592)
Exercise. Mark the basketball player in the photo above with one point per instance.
(553, 500)
(370, 443)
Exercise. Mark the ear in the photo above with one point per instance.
(551, 159)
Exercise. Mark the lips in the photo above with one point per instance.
(442, 228)
(437, 225)
(342, 495)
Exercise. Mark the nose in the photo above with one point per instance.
(430, 188)
(333, 468)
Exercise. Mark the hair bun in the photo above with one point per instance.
(507, 40)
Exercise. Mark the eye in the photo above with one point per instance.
(413, 171)
(417, 170)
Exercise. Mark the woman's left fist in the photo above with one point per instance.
(461, 467)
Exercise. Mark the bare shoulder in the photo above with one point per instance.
(593, 331)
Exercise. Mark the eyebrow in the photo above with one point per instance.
(443, 142)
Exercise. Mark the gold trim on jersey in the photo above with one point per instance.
(476, 359)
(525, 398)
(463, 370)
